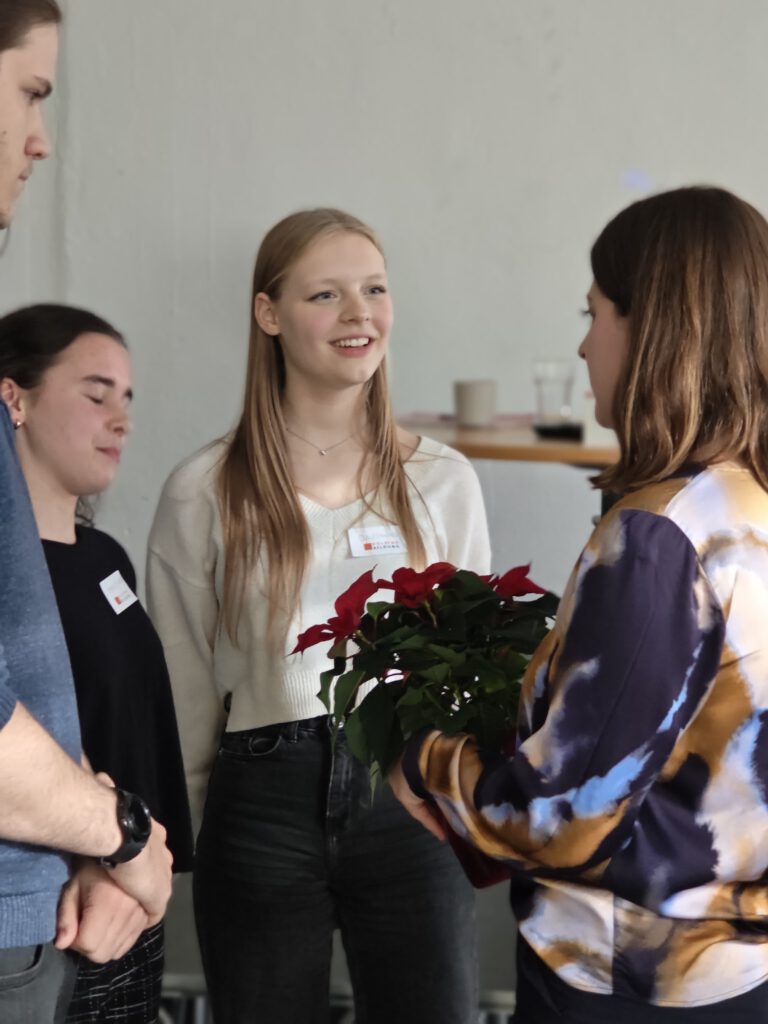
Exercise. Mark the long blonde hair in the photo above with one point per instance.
(260, 509)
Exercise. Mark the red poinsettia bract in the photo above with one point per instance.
(349, 610)
(515, 583)
(413, 588)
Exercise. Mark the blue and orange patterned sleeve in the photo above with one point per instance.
(607, 696)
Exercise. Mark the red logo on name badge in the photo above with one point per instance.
(368, 546)
(118, 600)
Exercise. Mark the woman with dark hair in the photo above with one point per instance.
(635, 810)
(65, 375)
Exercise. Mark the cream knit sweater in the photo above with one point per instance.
(185, 572)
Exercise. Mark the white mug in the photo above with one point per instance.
(474, 402)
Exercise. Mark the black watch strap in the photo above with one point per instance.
(135, 822)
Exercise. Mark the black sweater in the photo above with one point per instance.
(123, 692)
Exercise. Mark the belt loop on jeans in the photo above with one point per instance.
(291, 731)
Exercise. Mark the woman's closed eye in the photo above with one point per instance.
(34, 96)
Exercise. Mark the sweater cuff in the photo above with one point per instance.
(410, 763)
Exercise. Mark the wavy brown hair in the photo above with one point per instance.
(689, 268)
(261, 513)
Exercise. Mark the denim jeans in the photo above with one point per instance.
(290, 848)
(36, 984)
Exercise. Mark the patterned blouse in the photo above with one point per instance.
(635, 810)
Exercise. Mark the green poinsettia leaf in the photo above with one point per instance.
(471, 583)
(356, 738)
(412, 696)
(448, 654)
(436, 673)
(416, 642)
(344, 694)
(491, 727)
(381, 726)
(377, 608)
(326, 682)
(547, 604)
(392, 634)
(339, 650)
(376, 779)
(452, 624)
(480, 677)
(453, 721)
(412, 720)
(511, 663)
(493, 680)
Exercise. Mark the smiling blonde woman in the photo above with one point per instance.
(253, 540)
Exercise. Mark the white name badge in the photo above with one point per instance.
(118, 593)
(375, 540)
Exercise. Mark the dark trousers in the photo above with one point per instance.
(291, 848)
(544, 998)
(35, 984)
(124, 991)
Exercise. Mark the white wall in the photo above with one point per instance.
(488, 143)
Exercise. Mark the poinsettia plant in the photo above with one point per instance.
(448, 652)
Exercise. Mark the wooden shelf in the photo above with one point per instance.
(509, 442)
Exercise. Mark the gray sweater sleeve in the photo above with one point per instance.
(34, 663)
(7, 460)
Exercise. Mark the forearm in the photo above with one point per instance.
(47, 799)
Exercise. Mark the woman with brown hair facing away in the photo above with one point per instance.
(253, 540)
(635, 810)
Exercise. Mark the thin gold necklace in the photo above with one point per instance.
(320, 451)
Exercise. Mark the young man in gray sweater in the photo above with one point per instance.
(50, 805)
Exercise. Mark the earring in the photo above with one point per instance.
(16, 424)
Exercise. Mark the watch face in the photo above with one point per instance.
(140, 818)
(135, 823)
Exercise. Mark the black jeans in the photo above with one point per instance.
(291, 848)
(35, 984)
(544, 998)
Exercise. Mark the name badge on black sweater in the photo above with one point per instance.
(118, 593)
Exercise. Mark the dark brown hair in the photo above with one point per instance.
(32, 338)
(689, 268)
(17, 17)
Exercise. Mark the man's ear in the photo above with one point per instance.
(15, 398)
(266, 315)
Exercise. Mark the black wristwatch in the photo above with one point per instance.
(135, 823)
